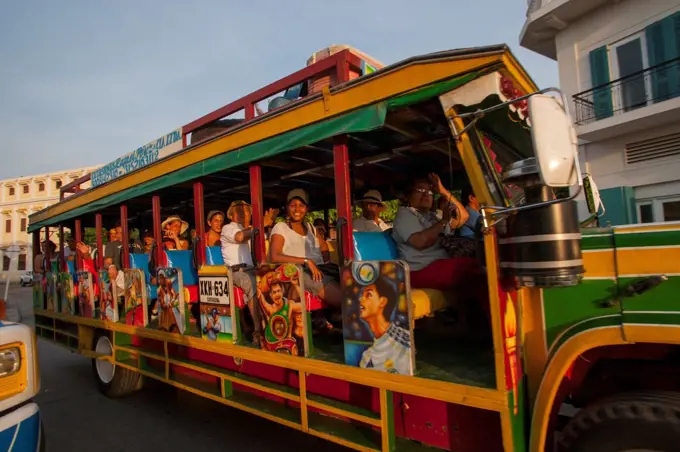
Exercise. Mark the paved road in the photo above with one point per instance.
(159, 418)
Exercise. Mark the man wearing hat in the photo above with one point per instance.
(235, 241)
(372, 206)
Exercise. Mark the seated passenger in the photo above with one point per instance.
(417, 231)
(147, 241)
(296, 241)
(235, 241)
(472, 207)
(112, 249)
(372, 206)
(215, 221)
(173, 228)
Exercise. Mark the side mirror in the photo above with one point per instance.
(554, 141)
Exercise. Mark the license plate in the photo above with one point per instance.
(214, 289)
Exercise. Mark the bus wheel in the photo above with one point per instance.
(113, 381)
(635, 421)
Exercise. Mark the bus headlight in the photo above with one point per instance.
(10, 361)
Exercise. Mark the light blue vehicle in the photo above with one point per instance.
(20, 423)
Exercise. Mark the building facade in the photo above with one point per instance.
(619, 66)
(19, 198)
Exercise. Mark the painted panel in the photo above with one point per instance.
(38, 295)
(280, 295)
(171, 301)
(218, 316)
(67, 302)
(86, 305)
(377, 317)
(108, 294)
(52, 298)
(134, 298)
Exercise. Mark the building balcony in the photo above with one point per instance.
(546, 18)
(637, 101)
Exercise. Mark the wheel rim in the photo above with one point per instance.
(105, 369)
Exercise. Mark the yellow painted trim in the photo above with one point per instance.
(484, 398)
(239, 381)
(535, 353)
(138, 351)
(304, 415)
(518, 73)
(384, 422)
(600, 264)
(342, 442)
(554, 373)
(344, 413)
(213, 270)
(370, 91)
(506, 431)
(213, 397)
(490, 247)
(640, 261)
(646, 228)
(652, 333)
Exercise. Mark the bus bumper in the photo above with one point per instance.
(21, 430)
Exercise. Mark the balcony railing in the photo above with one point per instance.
(640, 89)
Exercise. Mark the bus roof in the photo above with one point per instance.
(359, 105)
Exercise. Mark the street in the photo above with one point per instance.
(78, 418)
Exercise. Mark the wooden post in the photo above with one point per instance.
(343, 195)
(125, 239)
(258, 212)
(100, 242)
(199, 219)
(157, 234)
(79, 238)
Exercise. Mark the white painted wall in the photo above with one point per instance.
(606, 25)
(607, 161)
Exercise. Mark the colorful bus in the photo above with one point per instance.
(524, 317)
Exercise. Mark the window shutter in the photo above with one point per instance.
(663, 45)
(599, 71)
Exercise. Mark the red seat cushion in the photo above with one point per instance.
(193, 293)
(239, 300)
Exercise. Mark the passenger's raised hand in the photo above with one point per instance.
(269, 217)
(437, 183)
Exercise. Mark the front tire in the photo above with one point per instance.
(636, 421)
(113, 381)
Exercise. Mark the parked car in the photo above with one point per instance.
(26, 279)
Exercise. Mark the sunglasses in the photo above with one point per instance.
(424, 191)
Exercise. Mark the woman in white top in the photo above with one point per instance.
(296, 241)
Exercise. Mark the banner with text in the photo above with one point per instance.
(143, 156)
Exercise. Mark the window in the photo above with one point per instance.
(22, 262)
(629, 59)
(57, 184)
(659, 210)
(8, 225)
(25, 188)
(23, 225)
(41, 186)
(5, 263)
(11, 191)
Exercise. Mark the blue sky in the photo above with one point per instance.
(84, 82)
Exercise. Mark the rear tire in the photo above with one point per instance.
(636, 421)
(113, 381)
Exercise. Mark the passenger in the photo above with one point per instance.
(472, 207)
(372, 206)
(112, 250)
(147, 241)
(296, 241)
(320, 228)
(173, 228)
(417, 232)
(235, 241)
(215, 222)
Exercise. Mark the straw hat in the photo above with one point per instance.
(172, 219)
(372, 196)
(235, 204)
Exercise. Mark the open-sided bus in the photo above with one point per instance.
(588, 319)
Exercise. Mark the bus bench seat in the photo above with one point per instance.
(141, 261)
(183, 260)
(379, 246)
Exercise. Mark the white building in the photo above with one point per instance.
(19, 198)
(619, 64)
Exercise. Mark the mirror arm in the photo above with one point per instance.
(504, 211)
